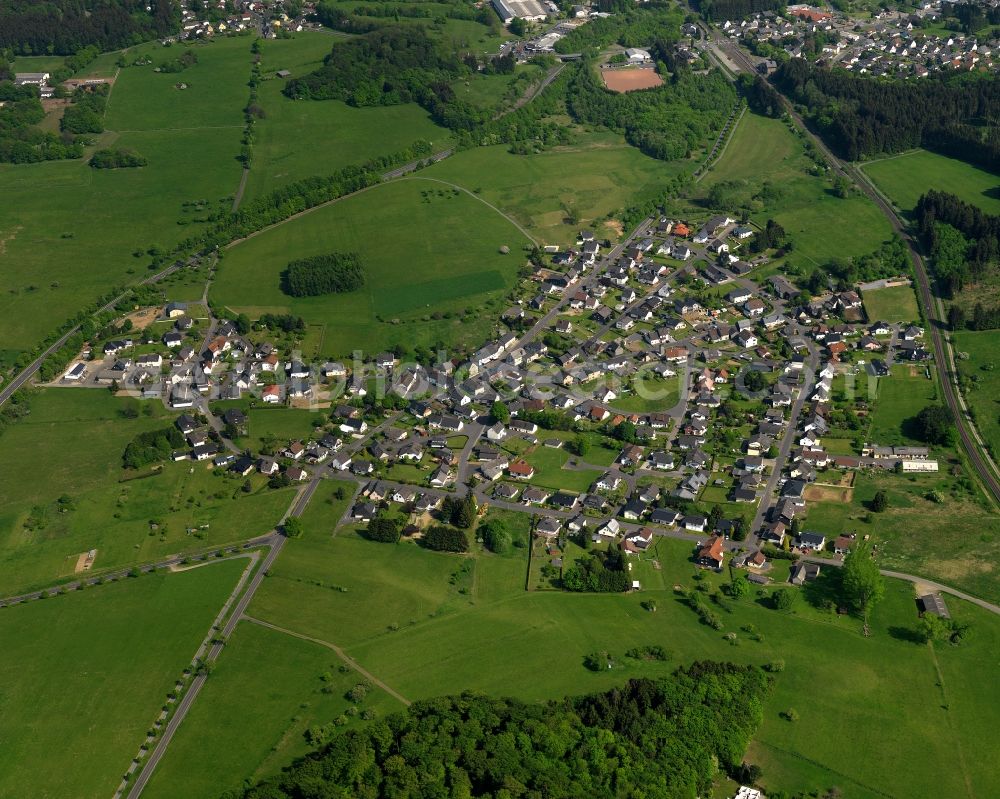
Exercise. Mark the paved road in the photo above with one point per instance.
(787, 442)
(546, 321)
(980, 460)
(31, 369)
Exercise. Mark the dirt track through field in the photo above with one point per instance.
(339, 652)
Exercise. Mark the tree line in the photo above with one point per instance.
(858, 116)
(667, 737)
(62, 27)
(118, 158)
(721, 10)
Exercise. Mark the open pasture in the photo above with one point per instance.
(85, 674)
(429, 252)
(66, 493)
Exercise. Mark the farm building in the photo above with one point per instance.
(530, 10)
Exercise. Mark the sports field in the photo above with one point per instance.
(895, 304)
(85, 675)
(821, 225)
(629, 80)
(417, 634)
(427, 249)
(65, 494)
(905, 177)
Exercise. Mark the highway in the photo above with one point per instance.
(980, 461)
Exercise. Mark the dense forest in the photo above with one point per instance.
(333, 273)
(860, 117)
(389, 66)
(666, 122)
(62, 27)
(721, 10)
(664, 738)
(963, 240)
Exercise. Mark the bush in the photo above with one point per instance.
(384, 530)
(495, 536)
(117, 159)
(335, 273)
(445, 539)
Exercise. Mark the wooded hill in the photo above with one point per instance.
(61, 27)
(665, 738)
(858, 116)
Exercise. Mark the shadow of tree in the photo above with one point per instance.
(906, 634)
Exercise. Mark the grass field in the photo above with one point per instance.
(551, 472)
(251, 719)
(896, 304)
(426, 249)
(593, 178)
(900, 398)
(904, 178)
(821, 225)
(71, 446)
(84, 676)
(286, 147)
(69, 231)
(414, 633)
(955, 541)
(981, 381)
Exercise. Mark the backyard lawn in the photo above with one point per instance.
(895, 304)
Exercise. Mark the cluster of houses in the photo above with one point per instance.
(267, 18)
(890, 44)
(623, 317)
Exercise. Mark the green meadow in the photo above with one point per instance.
(588, 181)
(981, 382)
(429, 251)
(428, 623)
(85, 675)
(895, 304)
(69, 231)
(900, 398)
(69, 448)
(268, 690)
(821, 225)
(903, 178)
(300, 138)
